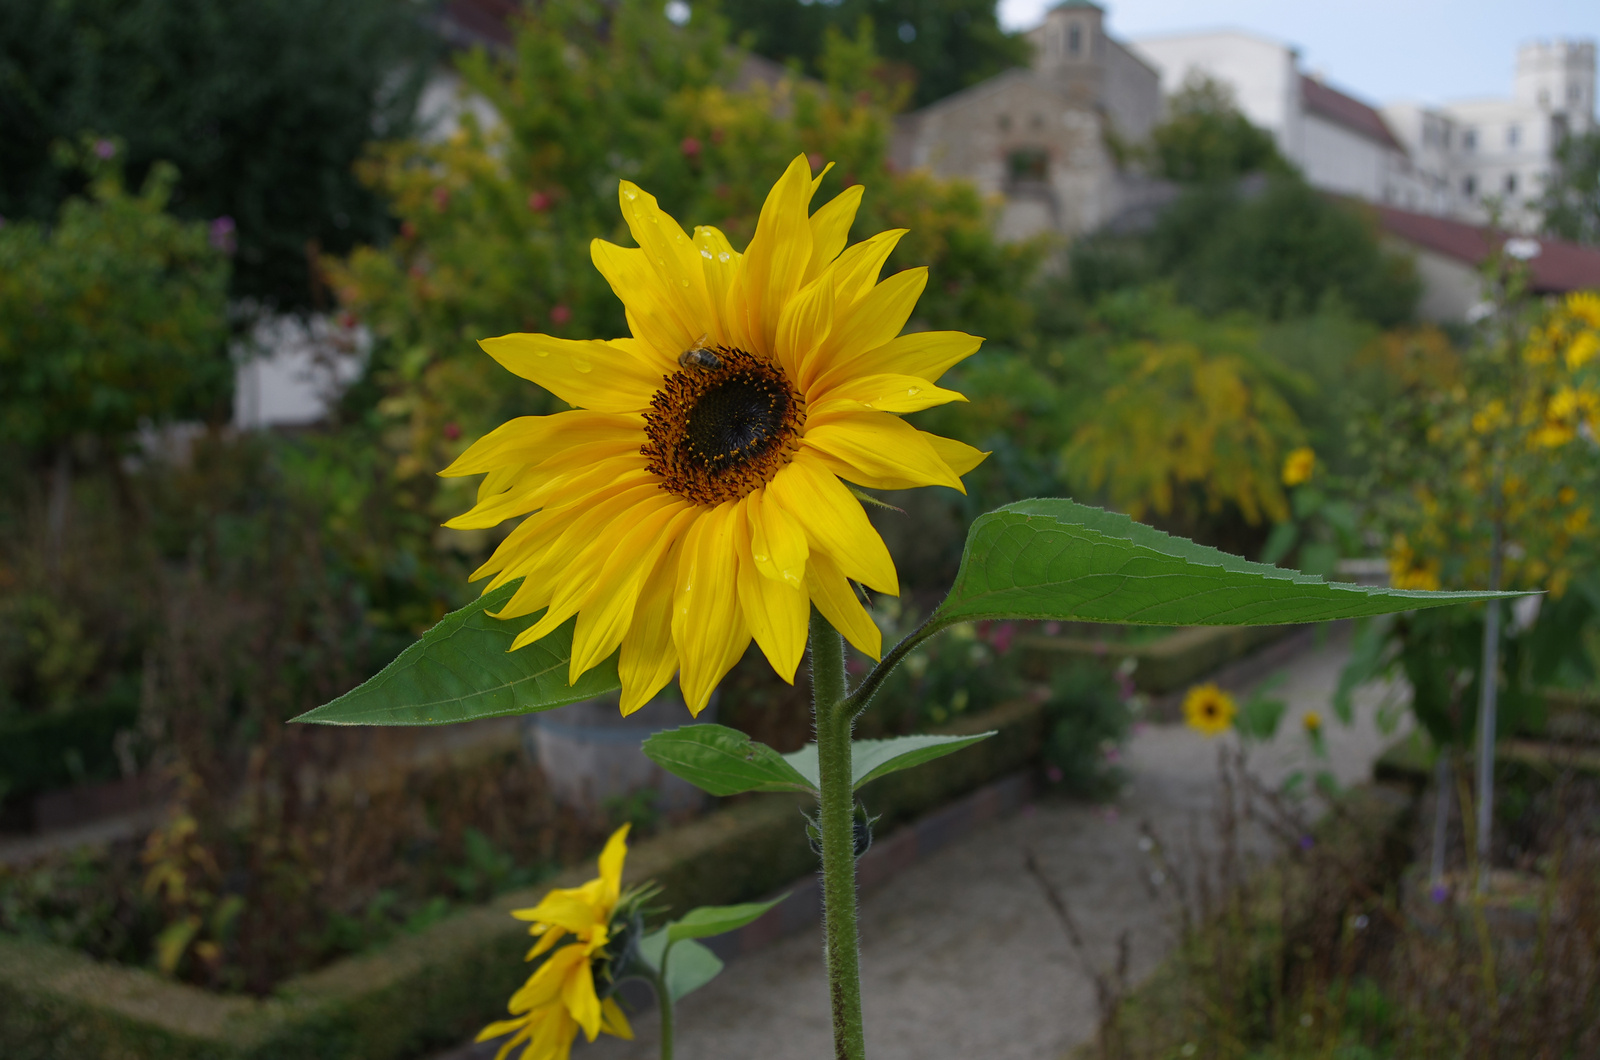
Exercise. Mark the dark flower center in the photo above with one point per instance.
(722, 426)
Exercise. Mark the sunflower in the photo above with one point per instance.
(560, 997)
(1209, 709)
(695, 496)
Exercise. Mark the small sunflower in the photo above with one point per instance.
(1299, 465)
(1312, 722)
(695, 497)
(560, 996)
(1209, 709)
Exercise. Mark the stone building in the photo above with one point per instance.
(1046, 139)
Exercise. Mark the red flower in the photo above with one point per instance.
(539, 201)
(560, 314)
(690, 147)
(441, 198)
(452, 430)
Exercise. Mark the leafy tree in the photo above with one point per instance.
(110, 317)
(944, 45)
(1205, 138)
(1571, 202)
(262, 106)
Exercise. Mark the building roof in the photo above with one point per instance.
(1559, 267)
(1347, 111)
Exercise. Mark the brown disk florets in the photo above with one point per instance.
(722, 426)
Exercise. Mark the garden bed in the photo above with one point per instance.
(441, 983)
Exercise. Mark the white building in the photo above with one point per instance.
(1458, 160)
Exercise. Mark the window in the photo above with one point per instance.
(1029, 164)
(1074, 39)
(1574, 93)
(1513, 134)
(1511, 183)
(1469, 139)
(1558, 128)
(1469, 187)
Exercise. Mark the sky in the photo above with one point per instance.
(1427, 51)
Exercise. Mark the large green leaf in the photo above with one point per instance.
(463, 669)
(723, 761)
(871, 759)
(1056, 559)
(689, 964)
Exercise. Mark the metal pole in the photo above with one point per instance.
(1487, 695)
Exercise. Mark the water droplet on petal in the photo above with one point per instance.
(582, 364)
(913, 391)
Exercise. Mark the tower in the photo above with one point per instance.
(1558, 78)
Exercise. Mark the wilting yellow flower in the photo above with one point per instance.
(1209, 709)
(560, 997)
(693, 499)
(1585, 305)
(1312, 722)
(1299, 465)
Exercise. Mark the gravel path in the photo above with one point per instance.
(961, 955)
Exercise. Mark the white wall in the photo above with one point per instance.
(1262, 73)
(1338, 160)
(293, 370)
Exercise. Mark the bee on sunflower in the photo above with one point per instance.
(695, 497)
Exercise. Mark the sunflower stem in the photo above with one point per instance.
(836, 823)
(664, 1001)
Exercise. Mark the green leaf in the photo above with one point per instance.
(871, 759)
(689, 964)
(463, 669)
(711, 920)
(723, 761)
(1056, 559)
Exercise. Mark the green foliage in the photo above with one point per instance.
(1270, 245)
(1206, 139)
(942, 46)
(1571, 201)
(1086, 721)
(262, 106)
(111, 317)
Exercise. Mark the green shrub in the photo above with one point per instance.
(1086, 723)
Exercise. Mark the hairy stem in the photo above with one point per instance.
(835, 822)
(664, 1001)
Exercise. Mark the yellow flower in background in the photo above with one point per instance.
(695, 497)
(1585, 305)
(560, 997)
(1312, 722)
(1409, 571)
(1299, 465)
(1209, 709)
(1583, 349)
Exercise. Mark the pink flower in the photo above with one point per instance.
(539, 201)
(452, 430)
(690, 147)
(105, 149)
(222, 234)
(408, 230)
(560, 314)
(1052, 628)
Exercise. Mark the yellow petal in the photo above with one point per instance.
(837, 602)
(775, 261)
(720, 262)
(578, 994)
(958, 456)
(830, 229)
(531, 439)
(590, 374)
(803, 328)
(777, 542)
(672, 255)
(928, 354)
(879, 451)
(856, 270)
(611, 859)
(776, 612)
(872, 321)
(707, 625)
(879, 393)
(568, 909)
(833, 520)
(651, 315)
(648, 658)
(613, 1021)
(608, 607)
